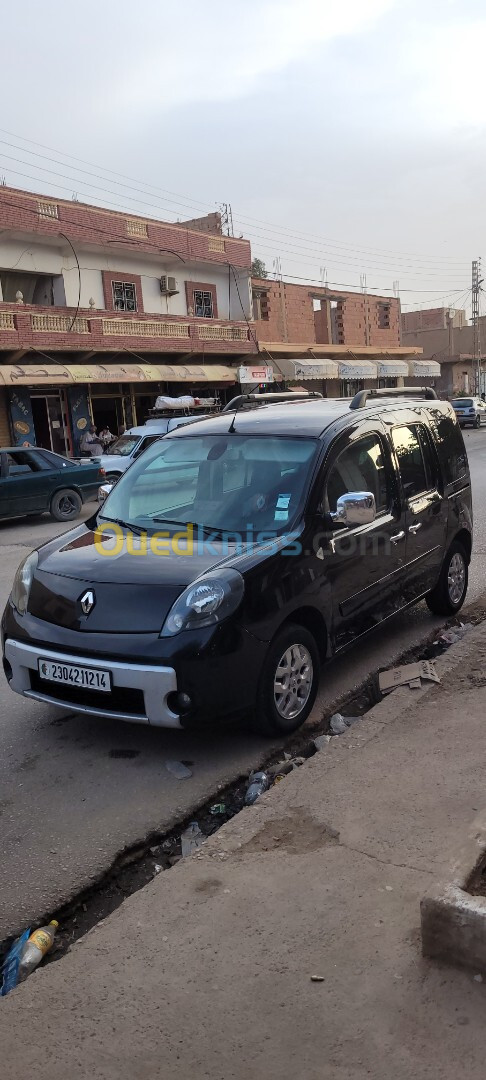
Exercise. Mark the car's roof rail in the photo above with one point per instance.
(252, 401)
(360, 399)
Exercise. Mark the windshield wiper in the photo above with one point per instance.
(124, 525)
(195, 525)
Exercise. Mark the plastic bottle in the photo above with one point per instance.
(259, 782)
(38, 944)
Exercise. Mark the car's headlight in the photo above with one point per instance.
(208, 600)
(22, 583)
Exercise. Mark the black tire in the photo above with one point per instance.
(268, 719)
(448, 596)
(65, 505)
(477, 422)
(112, 478)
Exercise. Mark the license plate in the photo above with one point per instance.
(75, 675)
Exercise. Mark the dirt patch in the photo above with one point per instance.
(296, 834)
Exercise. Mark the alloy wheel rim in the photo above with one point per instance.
(66, 505)
(293, 681)
(456, 578)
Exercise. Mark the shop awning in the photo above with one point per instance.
(357, 369)
(65, 374)
(303, 368)
(423, 369)
(392, 369)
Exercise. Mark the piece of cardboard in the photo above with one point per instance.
(400, 676)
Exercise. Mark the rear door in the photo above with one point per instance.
(425, 506)
(364, 565)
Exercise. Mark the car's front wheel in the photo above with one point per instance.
(288, 683)
(112, 477)
(450, 592)
(478, 421)
(65, 505)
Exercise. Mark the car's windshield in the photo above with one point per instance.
(462, 403)
(124, 445)
(230, 483)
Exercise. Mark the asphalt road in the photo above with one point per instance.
(68, 807)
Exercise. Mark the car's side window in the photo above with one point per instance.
(20, 464)
(413, 468)
(360, 467)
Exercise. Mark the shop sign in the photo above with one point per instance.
(255, 375)
(21, 416)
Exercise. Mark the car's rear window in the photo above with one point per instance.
(450, 445)
(462, 403)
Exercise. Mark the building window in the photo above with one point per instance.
(216, 243)
(260, 306)
(383, 312)
(47, 209)
(136, 228)
(203, 304)
(124, 296)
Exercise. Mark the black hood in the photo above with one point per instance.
(133, 592)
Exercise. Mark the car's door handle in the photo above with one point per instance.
(415, 528)
(398, 536)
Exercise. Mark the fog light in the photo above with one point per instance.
(179, 702)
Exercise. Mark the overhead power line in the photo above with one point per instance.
(247, 220)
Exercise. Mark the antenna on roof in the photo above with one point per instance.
(232, 425)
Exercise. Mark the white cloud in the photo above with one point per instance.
(229, 56)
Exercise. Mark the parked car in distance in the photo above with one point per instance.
(128, 447)
(33, 480)
(470, 410)
(237, 555)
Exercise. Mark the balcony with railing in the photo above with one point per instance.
(29, 327)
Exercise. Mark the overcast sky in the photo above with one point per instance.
(349, 138)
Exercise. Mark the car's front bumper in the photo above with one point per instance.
(154, 685)
(218, 668)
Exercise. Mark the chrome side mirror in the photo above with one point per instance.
(355, 508)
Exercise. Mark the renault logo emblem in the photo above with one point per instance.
(87, 602)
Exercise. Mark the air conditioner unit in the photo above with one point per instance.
(168, 285)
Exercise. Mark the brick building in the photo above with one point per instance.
(101, 311)
(447, 339)
(432, 319)
(343, 341)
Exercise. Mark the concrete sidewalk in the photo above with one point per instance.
(207, 971)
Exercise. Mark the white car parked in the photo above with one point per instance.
(134, 441)
(470, 410)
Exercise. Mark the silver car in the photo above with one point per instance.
(470, 410)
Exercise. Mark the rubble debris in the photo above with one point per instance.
(280, 768)
(296, 762)
(454, 634)
(191, 839)
(178, 769)
(157, 868)
(317, 978)
(321, 741)
(259, 782)
(11, 964)
(217, 808)
(409, 673)
(37, 945)
(338, 723)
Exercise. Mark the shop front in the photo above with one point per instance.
(51, 406)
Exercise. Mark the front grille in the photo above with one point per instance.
(121, 699)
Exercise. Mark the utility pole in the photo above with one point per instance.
(476, 283)
(226, 219)
(364, 290)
